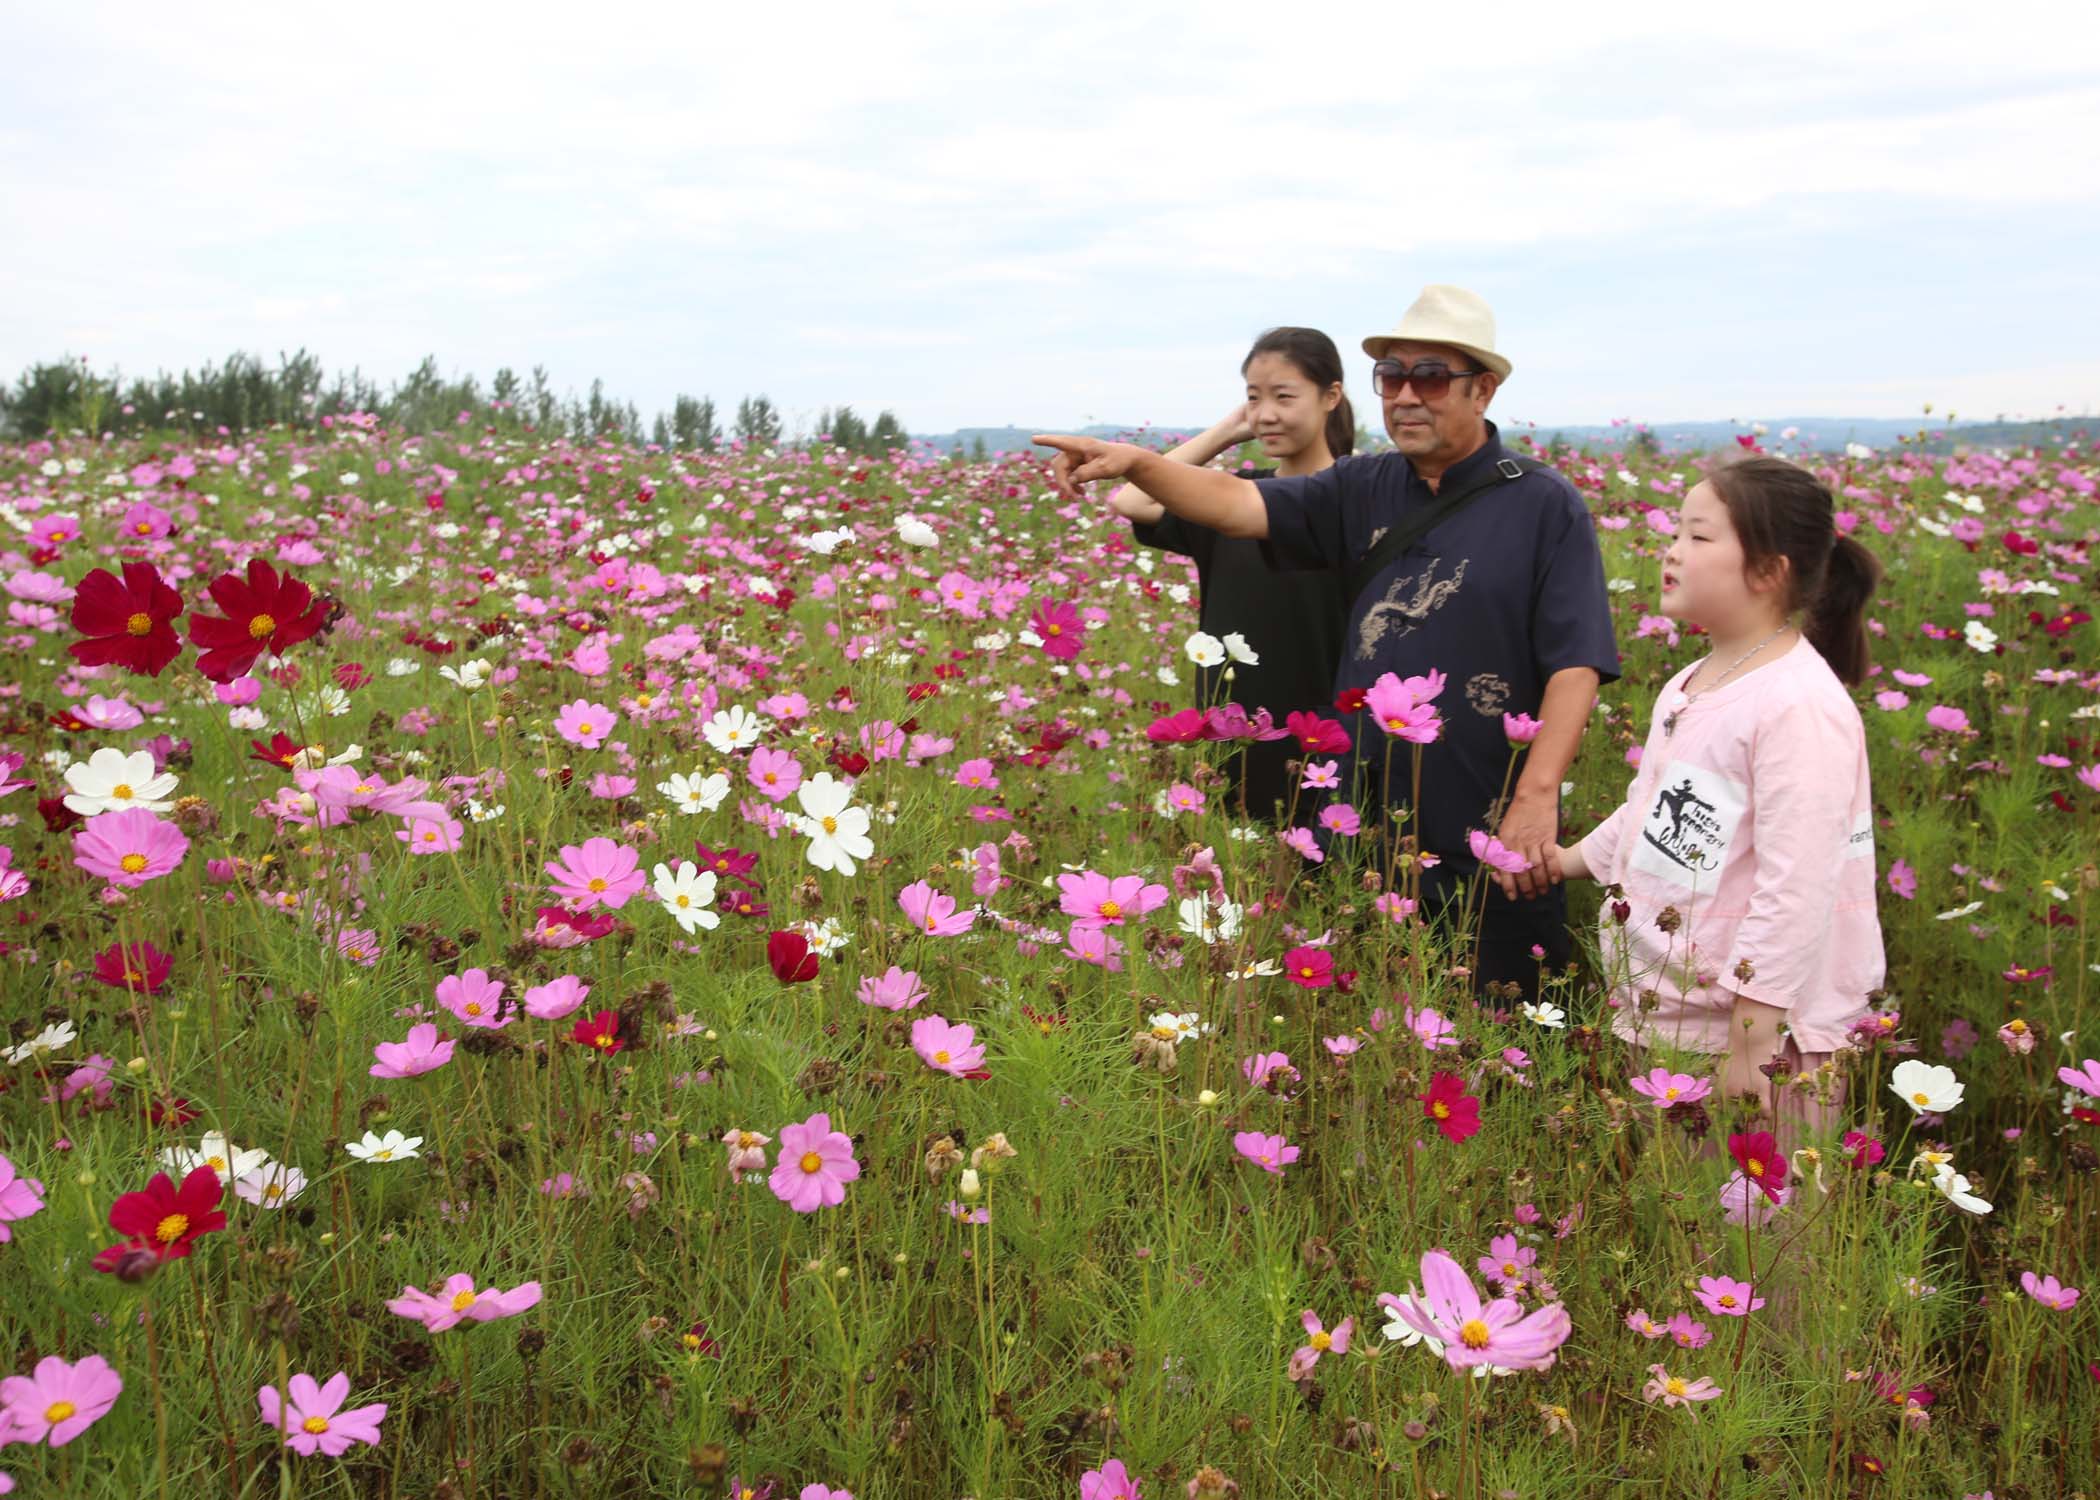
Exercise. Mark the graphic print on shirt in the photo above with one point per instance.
(1409, 599)
(1691, 824)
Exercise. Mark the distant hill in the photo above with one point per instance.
(1811, 434)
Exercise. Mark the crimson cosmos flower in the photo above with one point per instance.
(1758, 1155)
(280, 752)
(139, 967)
(128, 623)
(263, 613)
(601, 1032)
(166, 1219)
(1450, 1108)
(791, 958)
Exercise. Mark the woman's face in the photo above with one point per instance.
(1286, 410)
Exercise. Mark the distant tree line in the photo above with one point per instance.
(244, 394)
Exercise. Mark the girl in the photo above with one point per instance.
(1292, 622)
(1745, 846)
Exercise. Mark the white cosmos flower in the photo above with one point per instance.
(50, 1039)
(325, 700)
(246, 718)
(393, 1146)
(696, 793)
(824, 543)
(1168, 677)
(1955, 1189)
(1214, 922)
(733, 729)
(1979, 636)
(1925, 1086)
(404, 666)
(1262, 968)
(837, 832)
(1542, 1014)
(109, 781)
(482, 814)
(1169, 1026)
(468, 676)
(1204, 650)
(314, 757)
(1959, 911)
(1402, 1332)
(686, 893)
(271, 1185)
(914, 532)
(229, 1161)
(1237, 648)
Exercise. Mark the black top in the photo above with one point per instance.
(1292, 618)
(1498, 598)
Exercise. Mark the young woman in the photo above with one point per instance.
(1751, 815)
(1291, 621)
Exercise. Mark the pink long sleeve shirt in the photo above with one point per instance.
(1754, 820)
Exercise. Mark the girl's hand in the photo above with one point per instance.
(1233, 428)
(1740, 1076)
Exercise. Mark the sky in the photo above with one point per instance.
(1049, 215)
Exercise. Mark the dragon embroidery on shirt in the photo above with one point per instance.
(1396, 615)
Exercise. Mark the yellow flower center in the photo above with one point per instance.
(261, 628)
(315, 1425)
(1756, 1167)
(461, 1301)
(58, 1411)
(1474, 1334)
(941, 1056)
(384, 1153)
(1921, 1098)
(603, 1039)
(1726, 1299)
(121, 791)
(430, 835)
(172, 1228)
(584, 727)
(931, 924)
(1674, 1386)
(685, 901)
(1056, 630)
(473, 1007)
(139, 624)
(597, 884)
(1509, 1268)
(364, 789)
(1670, 1092)
(1396, 723)
(132, 864)
(811, 1162)
(143, 528)
(217, 1164)
(643, 700)
(831, 825)
(1322, 1341)
(1441, 1110)
(771, 778)
(1305, 971)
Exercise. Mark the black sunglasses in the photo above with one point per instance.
(1431, 378)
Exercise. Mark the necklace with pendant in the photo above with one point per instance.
(1685, 700)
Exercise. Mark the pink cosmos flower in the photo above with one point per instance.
(1664, 1387)
(823, 1492)
(1666, 1088)
(610, 788)
(1891, 700)
(1094, 945)
(1301, 842)
(1340, 818)
(1724, 1296)
(128, 847)
(1094, 900)
(1744, 1201)
(597, 872)
(314, 1421)
(1507, 1262)
(933, 912)
(946, 1047)
(1272, 1153)
(1263, 1066)
(2048, 1291)
(1341, 1046)
(987, 882)
(2085, 1077)
(556, 998)
(475, 998)
(19, 1198)
(458, 1302)
(1903, 880)
(1431, 1029)
(1322, 775)
(1491, 852)
(897, 989)
(1109, 1482)
(747, 1152)
(1309, 968)
(814, 1166)
(1402, 708)
(585, 723)
(1520, 729)
(432, 835)
(1449, 1310)
(2089, 777)
(1318, 1341)
(1687, 1332)
(1947, 720)
(978, 773)
(1057, 624)
(775, 773)
(423, 1051)
(1182, 797)
(57, 1401)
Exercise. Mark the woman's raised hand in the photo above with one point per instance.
(1234, 428)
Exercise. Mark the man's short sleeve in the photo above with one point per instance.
(1305, 516)
(1170, 533)
(1570, 609)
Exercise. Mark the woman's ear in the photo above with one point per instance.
(1331, 397)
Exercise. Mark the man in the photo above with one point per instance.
(1504, 595)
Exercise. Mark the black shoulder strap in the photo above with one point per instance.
(1419, 523)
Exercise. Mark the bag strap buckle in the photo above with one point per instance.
(1510, 468)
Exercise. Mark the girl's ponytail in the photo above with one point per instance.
(1837, 624)
(1780, 510)
(1341, 429)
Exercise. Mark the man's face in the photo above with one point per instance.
(1454, 424)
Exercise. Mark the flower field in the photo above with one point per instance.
(549, 969)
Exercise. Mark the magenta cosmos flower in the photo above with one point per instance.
(314, 1421)
(424, 1051)
(458, 1302)
(1402, 707)
(19, 1198)
(1449, 1310)
(128, 847)
(814, 1166)
(475, 998)
(1272, 1153)
(946, 1047)
(933, 912)
(597, 872)
(57, 1401)
(1093, 900)
(585, 723)
(1058, 626)
(1109, 1482)
(1318, 1341)
(1666, 1088)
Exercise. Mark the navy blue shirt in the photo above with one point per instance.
(1498, 598)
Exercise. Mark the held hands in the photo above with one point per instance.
(1529, 828)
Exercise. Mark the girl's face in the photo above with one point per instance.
(1703, 577)
(1287, 411)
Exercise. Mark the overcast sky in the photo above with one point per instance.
(1055, 214)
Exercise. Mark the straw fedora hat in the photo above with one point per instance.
(1446, 315)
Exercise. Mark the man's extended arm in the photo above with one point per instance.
(1226, 504)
